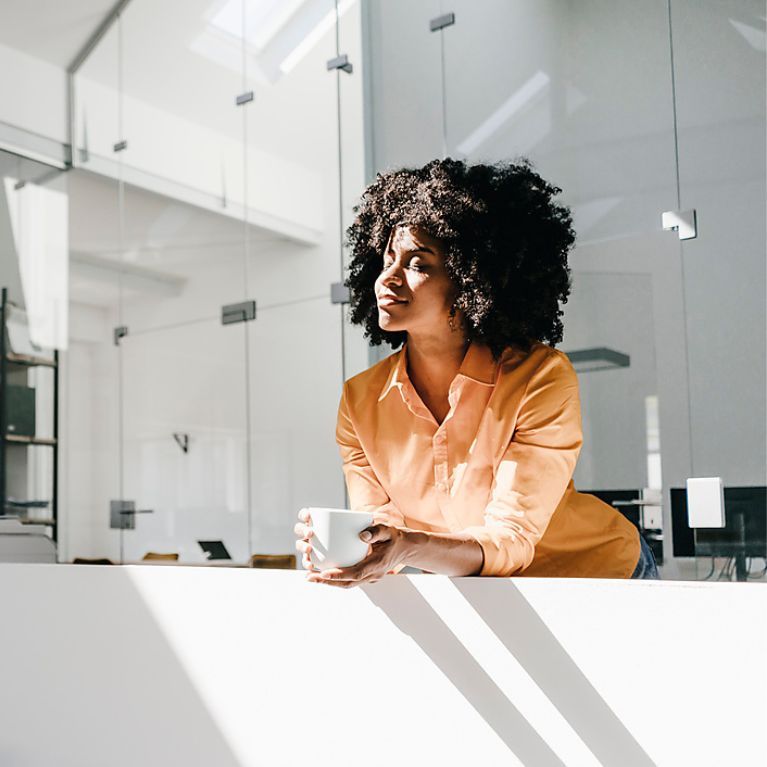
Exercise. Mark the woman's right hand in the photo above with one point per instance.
(303, 530)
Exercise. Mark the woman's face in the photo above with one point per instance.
(413, 291)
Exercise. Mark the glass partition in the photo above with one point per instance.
(635, 112)
(719, 71)
(295, 383)
(219, 149)
(185, 398)
(506, 80)
(243, 153)
(406, 99)
(184, 439)
(296, 345)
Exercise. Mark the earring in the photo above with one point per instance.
(451, 323)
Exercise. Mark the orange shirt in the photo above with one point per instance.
(499, 467)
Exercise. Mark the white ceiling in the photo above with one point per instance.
(157, 230)
(162, 241)
(51, 30)
(160, 66)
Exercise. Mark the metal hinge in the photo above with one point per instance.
(440, 22)
(122, 514)
(685, 222)
(242, 312)
(339, 293)
(120, 146)
(120, 332)
(244, 98)
(340, 62)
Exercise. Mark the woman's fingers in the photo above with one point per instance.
(303, 531)
(303, 546)
(346, 584)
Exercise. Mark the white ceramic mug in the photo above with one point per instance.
(336, 540)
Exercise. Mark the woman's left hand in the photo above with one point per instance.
(388, 549)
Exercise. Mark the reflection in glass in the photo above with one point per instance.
(218, 202)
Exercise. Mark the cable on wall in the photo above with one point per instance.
(681, 250)
(340, 206)
(119, 147)
(245, 275)
(340, 186)
(443, 87)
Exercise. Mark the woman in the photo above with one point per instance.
(463, 443)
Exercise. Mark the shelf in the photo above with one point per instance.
(22, 439)
(46, 522)
(30, 360)
(15, 364)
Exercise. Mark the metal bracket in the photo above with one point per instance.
(120, 146)
(122, 514)
(339, 293)
(242, 312)
(120, 332)
(340, 62)
(182, 440)
(244, 98)
(685, 222)
(440, 22)
(599, 358)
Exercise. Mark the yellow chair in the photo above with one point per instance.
(156, 557)
(273, 561)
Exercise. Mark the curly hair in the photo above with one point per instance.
(505, 241)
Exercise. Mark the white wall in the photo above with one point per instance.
(151, 665)
(33, 105)
(88, 404)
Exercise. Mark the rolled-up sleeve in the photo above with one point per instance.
(364, 488)
(535, 469)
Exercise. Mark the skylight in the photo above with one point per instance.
(263, 19)
(278, 33)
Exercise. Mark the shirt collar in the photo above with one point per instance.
(478, 365)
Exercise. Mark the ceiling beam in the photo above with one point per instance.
(78, 61)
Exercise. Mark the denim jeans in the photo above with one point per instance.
(646, 567)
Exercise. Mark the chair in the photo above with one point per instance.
(153, 556)
(273, 561)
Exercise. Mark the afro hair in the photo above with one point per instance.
(506, 243)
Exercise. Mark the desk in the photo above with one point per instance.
(176, 563)
(123, 666)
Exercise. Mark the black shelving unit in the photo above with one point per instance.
(9, 360)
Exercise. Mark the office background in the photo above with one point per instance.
(197, 156)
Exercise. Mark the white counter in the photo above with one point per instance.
(127, 666)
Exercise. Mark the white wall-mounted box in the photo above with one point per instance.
(705, 502)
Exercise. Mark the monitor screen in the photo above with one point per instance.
(214, 549)
(631, 513)
(745, 530)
